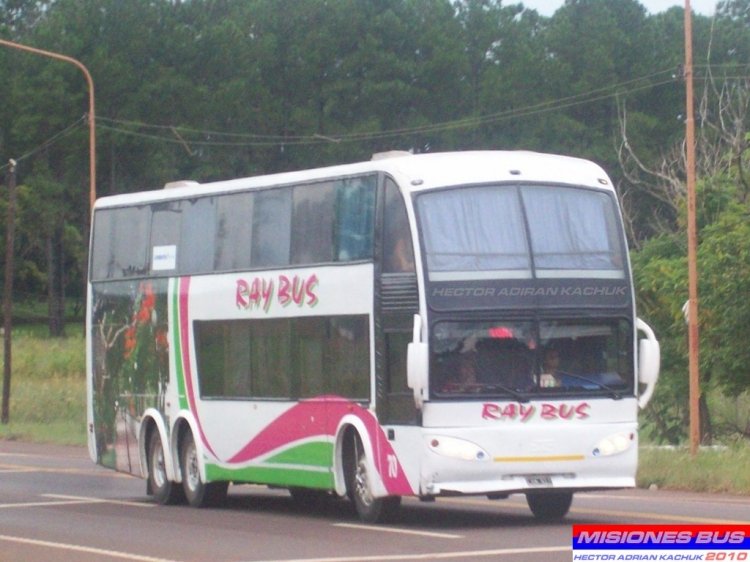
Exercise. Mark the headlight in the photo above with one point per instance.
(457, 449)
(614, 444)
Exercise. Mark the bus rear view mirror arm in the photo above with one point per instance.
(649, 359)
(417, 362)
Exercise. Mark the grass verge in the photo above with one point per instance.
(48, 392)
(720, 469)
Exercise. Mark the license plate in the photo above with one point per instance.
(539, 481)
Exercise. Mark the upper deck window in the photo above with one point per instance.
(296, 225)
(574, 233)
(512, 232)
(474, 232)
(121, 248)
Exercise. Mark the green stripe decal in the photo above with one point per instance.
(275, 476)
(310, 454)
(176, 345)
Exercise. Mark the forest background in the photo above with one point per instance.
(215, 89)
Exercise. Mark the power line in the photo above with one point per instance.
(213, 138)
(57, 137)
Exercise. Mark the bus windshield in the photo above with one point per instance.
(520, 232)
(525, 359)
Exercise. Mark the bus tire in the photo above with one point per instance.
(197, 492)
(163, 489)
(369, 508)
(551, 506)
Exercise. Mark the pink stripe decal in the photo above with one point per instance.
(186, 366)
(298, 423)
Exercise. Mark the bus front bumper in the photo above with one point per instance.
(592, 458)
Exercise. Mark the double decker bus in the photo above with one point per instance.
(416, 325)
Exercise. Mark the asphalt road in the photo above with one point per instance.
(55, 504)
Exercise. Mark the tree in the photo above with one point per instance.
(723, 257)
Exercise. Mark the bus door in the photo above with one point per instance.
(396, 303)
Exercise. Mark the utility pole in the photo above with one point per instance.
(92, 134)
(10, 233)
(692, 234)
(91, 114)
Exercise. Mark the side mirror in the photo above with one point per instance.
(649, 360)
(417, 364)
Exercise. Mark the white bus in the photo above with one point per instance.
(416, 325)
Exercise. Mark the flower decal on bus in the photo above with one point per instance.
(130, 363)
(141, 318)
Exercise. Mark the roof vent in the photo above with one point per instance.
(180, 183)
(390, 154)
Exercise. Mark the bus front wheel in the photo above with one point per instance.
(369, 508)
(551, 506)
(163, 489)
(197, 492)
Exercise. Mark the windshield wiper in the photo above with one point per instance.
(613, 393)
(501, 387)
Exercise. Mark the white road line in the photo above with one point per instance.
(398, 531)
(20, 455)
(42, 504)
(436, 555)
(84, 549)
(99, 500)
(39, 455)
(87, 472)
(60, 500)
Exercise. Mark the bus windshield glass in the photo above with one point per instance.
(525, 359)
(520, 232)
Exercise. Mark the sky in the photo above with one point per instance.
(702, 7)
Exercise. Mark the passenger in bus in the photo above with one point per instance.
(464, 378)
(401, 258)
(550, 377)
(398, 253)
(506, 362)
(520, 375)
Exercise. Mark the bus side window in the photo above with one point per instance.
(397, 406)
(102, 258)
(312, 240)
(396, 344)
(121, 243)
(234, 229)
(398, 252)
(165, 237)
(355, 213)
(197, 235)
(272, 217)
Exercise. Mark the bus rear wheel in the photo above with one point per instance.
(551, 506)
(369, 508)
(198, 492)
(163, 489)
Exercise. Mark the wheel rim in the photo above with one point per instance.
(193, 476)
(361, 485)
(159, 470)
